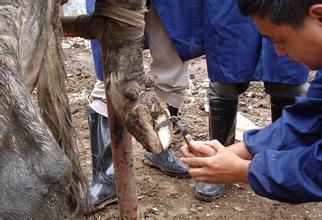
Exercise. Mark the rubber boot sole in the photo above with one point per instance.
(207, 198)
(155, 166)
(101, 206)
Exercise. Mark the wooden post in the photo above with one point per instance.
(124, 167)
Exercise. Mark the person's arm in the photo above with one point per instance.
(241, 150)
(292, 176)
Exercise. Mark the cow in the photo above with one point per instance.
(40, 173)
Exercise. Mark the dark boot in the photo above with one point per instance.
(222, 120)
(222, 126)
(277, 105)
(166, 160)
(103, 188)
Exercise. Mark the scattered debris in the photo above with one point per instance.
(238, 209)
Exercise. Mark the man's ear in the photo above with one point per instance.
(315, 11)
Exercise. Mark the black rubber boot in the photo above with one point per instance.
(222, 126)
(277, 105)
(102, 190)
(166, 160)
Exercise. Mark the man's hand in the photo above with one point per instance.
(198, 148)
(218, 166)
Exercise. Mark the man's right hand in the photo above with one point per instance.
(198, 149)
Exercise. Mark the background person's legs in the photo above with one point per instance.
(171, 80)
(282, 95)
(283, 79)
(228, 37)
(223, 105)
(103, 187)
(167, 68)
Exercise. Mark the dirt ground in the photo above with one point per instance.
(164, 197)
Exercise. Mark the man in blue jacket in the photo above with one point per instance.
(282, 161)
(236, 54)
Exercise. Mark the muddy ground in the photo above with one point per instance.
(164, 197)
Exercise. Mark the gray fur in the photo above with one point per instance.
(35, 173)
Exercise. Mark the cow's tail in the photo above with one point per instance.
(53, 102)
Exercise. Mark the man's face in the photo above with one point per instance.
(303, 44)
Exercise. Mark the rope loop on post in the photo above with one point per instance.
(129, 24)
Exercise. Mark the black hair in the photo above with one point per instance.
(290, 12)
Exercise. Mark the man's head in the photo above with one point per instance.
(295, 27)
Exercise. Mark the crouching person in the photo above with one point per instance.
(283, 160)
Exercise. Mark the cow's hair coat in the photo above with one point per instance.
(35, 174)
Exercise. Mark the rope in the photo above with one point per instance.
(133, 18)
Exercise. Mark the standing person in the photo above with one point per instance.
(232, 46)
(282, 161)
(171, 81)
(102, 189)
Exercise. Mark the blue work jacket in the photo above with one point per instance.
(287, 163)
(96, 48)
(235, 51)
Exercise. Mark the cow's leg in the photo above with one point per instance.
(121, 34)
(138, 109)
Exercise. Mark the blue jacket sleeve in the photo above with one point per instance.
(287, 160)
(292, 176)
